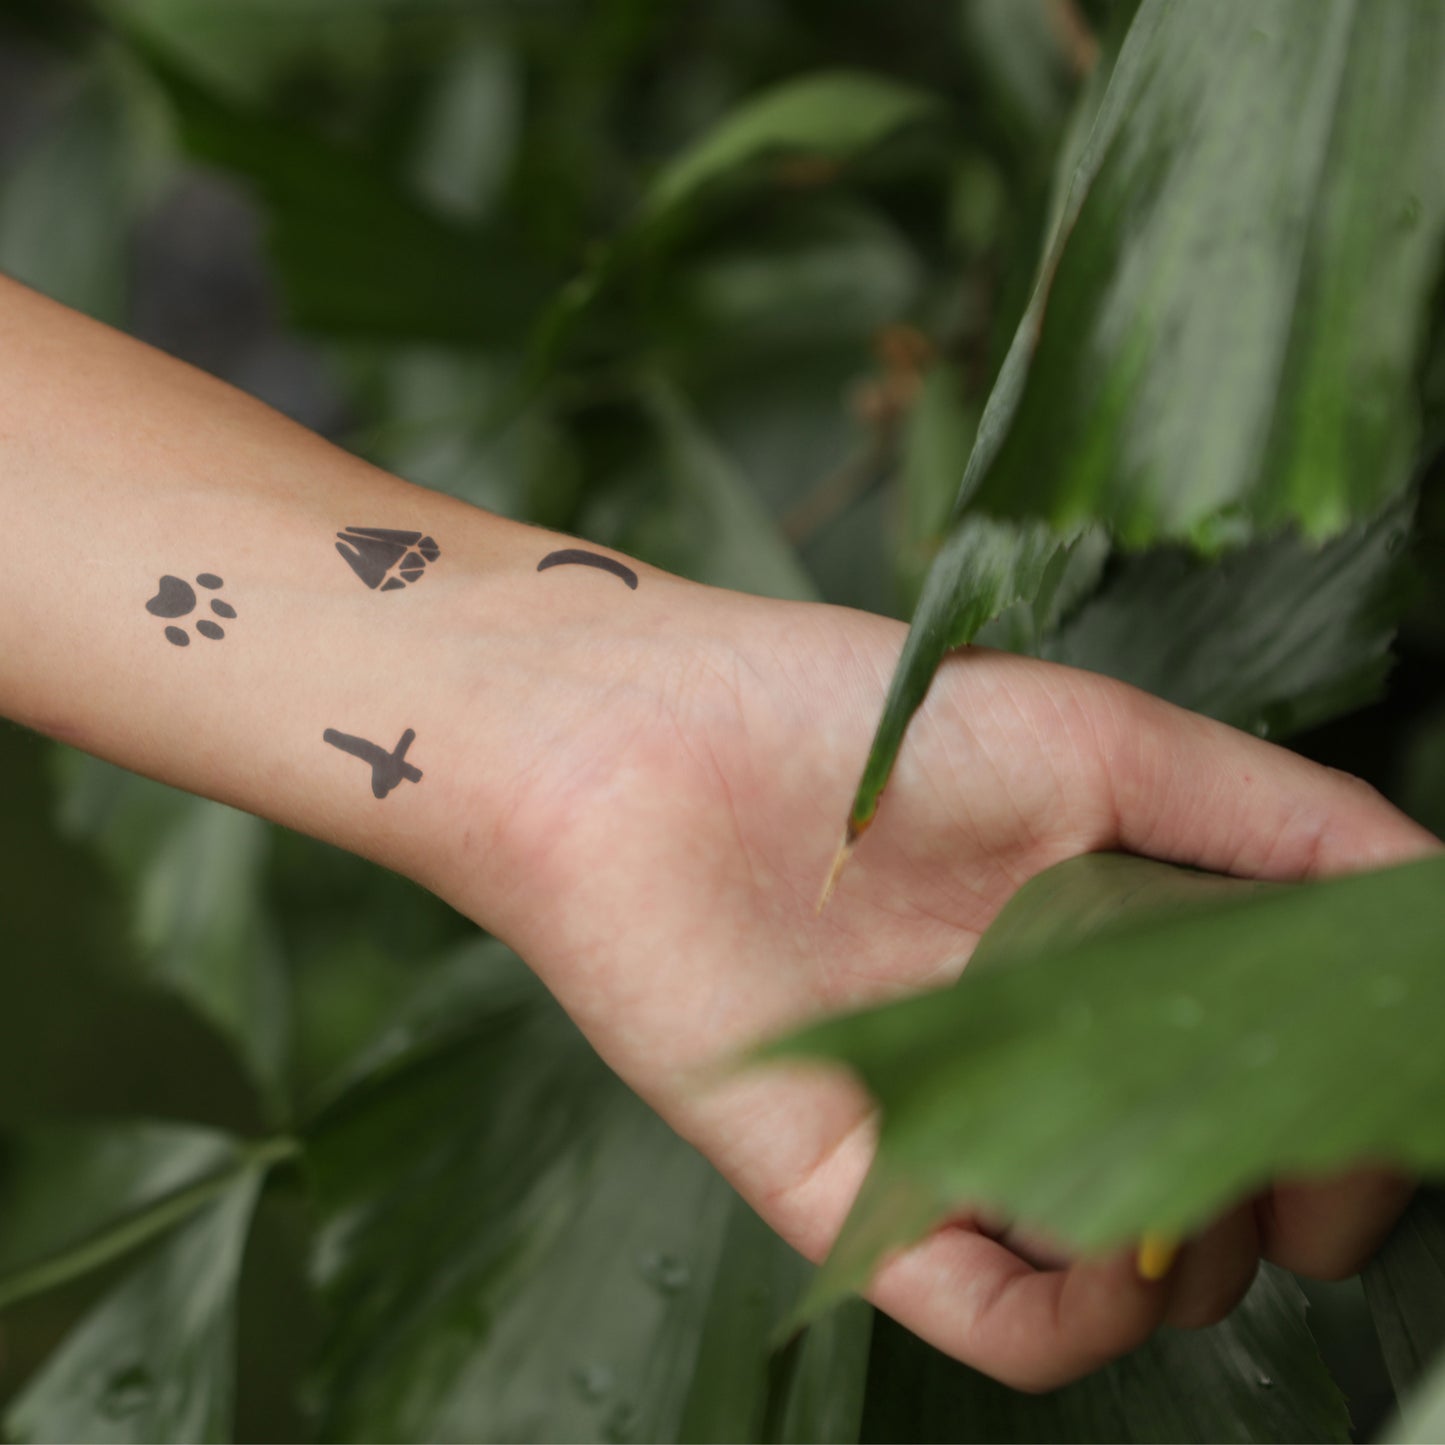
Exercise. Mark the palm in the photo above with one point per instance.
(684, 858)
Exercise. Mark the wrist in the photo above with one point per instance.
(546, 691)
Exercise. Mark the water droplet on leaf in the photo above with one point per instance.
(620, 1423)
(593, 1382)
(127, 1392)
(665, 1272)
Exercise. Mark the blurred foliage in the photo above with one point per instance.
(287, 1151)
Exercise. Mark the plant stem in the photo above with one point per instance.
(139, 1227)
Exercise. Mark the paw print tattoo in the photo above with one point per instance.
(177, 598)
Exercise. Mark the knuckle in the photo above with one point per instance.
(1366, 792)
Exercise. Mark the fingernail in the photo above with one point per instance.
(1156, 1256)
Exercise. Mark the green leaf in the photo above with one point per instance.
(1405, 1288)
(818, 1392)
(154, 1360)
(357, 253)
(1145, 1078)
(811, 278)
(1017, 49)
(248, 49)
(715, 529)
(563, 1212)
(201, 925)
(78, 1194)
(831, 117)
(818, 122)
(360, 942)
(1275, 638)
(63, 1181)
(983, 568)
(1207, 355)
(80, 1035)
(1255, 1376)
(1422, 1417)
(435, 422)
(821, 470)
(1093, 894)
(1086, 111)
(471, 128)
(937, 438)
(1211, 351)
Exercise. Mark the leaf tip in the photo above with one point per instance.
(851, 835)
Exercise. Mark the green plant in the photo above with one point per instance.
(745, 291)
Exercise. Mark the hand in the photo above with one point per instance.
(663, 861)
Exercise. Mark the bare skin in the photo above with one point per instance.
(640, 790)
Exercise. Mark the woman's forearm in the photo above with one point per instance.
(203, 591)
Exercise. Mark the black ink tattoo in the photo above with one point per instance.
(175, 598)
(388, 769)
(570, 556)
(373, 552)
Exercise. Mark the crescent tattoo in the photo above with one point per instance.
(575, 556)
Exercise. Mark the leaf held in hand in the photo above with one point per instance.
(1143, 1077)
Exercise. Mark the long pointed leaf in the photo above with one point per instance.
(1216, 354)
(1208, 354)
(1146, 1078)
(566, 1214)
(829, 117)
